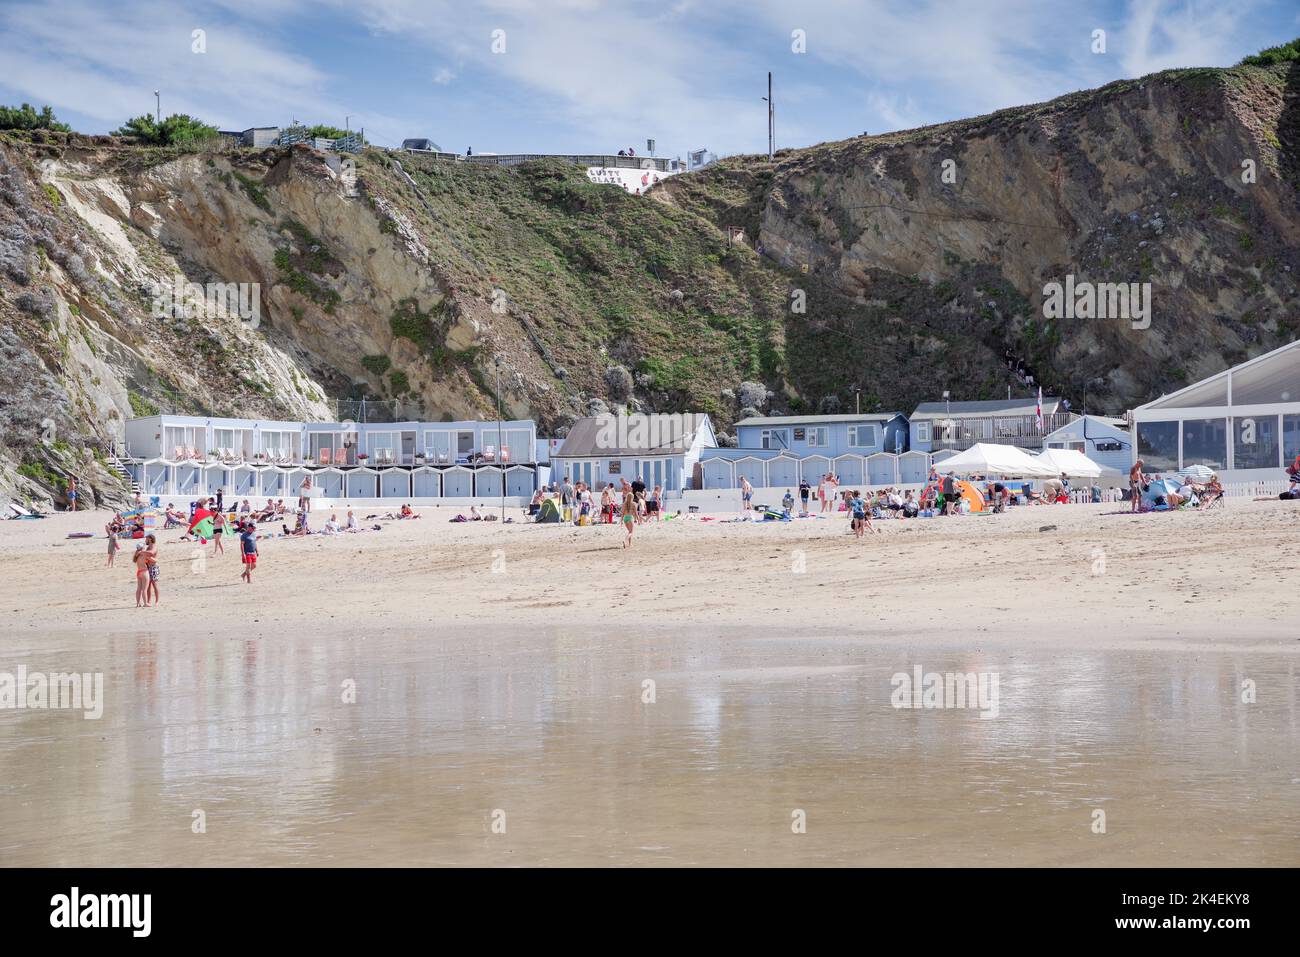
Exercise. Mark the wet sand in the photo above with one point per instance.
(771, 649)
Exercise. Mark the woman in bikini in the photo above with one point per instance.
(218, 527)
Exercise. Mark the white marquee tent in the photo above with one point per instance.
(1073, 463)
(984, 458)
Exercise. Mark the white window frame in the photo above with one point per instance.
(765, 438)
(923, 431)
(855, 436)
(819, 437)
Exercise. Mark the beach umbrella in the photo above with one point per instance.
(1070, 462)
(1197, 473)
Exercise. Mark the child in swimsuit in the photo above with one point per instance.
(629, 516)
(151, 563)
(141, 577)
(248, 546)
(113, 544)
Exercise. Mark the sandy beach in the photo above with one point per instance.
(500, 712)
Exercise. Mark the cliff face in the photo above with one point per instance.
(891, 267)
(1186, 180)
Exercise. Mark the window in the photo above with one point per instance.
(819, 437)
(437, 448)
(923, 431)
(1254, 442)
(1205, 442)
(862, 436)
(1158, 446)
(775, 439)
(1290, 438)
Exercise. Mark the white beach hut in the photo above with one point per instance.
(457, 482)
(913, 467)
(189, 479)
(362, 482)
(852, 469)
(882, 468)
(426, 482)
(783, 471)
(520, 481)
(813, 467)
(330, 481)
(753, 469)
(395, 483)
(487, 481)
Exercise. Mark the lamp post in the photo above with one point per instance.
(771, 129)
(496, 361)
(157, 98)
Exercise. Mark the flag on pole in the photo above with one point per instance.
(1038, 409)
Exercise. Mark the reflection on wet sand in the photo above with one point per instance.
(553, 728)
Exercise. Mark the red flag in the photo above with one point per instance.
(1038, 409)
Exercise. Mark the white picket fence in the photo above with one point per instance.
(1270, 488)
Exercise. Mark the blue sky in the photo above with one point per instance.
(597, 75)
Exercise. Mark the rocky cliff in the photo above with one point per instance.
(882, 268)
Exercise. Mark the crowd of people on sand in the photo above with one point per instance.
(210, 520)
(629, 504)
(1188, 494)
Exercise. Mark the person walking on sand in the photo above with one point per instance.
(746, 494)
(629, 515)
(151, 563)
(804, 491)
(1137, 482)
(248, 551)
(72, 494)
(141, 577)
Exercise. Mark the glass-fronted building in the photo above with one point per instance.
(1243, 422)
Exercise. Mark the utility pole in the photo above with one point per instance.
(157, 106)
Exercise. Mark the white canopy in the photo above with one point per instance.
(1071, 462)
(984, 458)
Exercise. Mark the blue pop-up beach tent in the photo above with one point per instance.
(1160, 489)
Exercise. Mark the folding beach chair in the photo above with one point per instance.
(505, 453)
(489, 453)
(340, 456)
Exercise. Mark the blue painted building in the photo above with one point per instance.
(778, 451)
